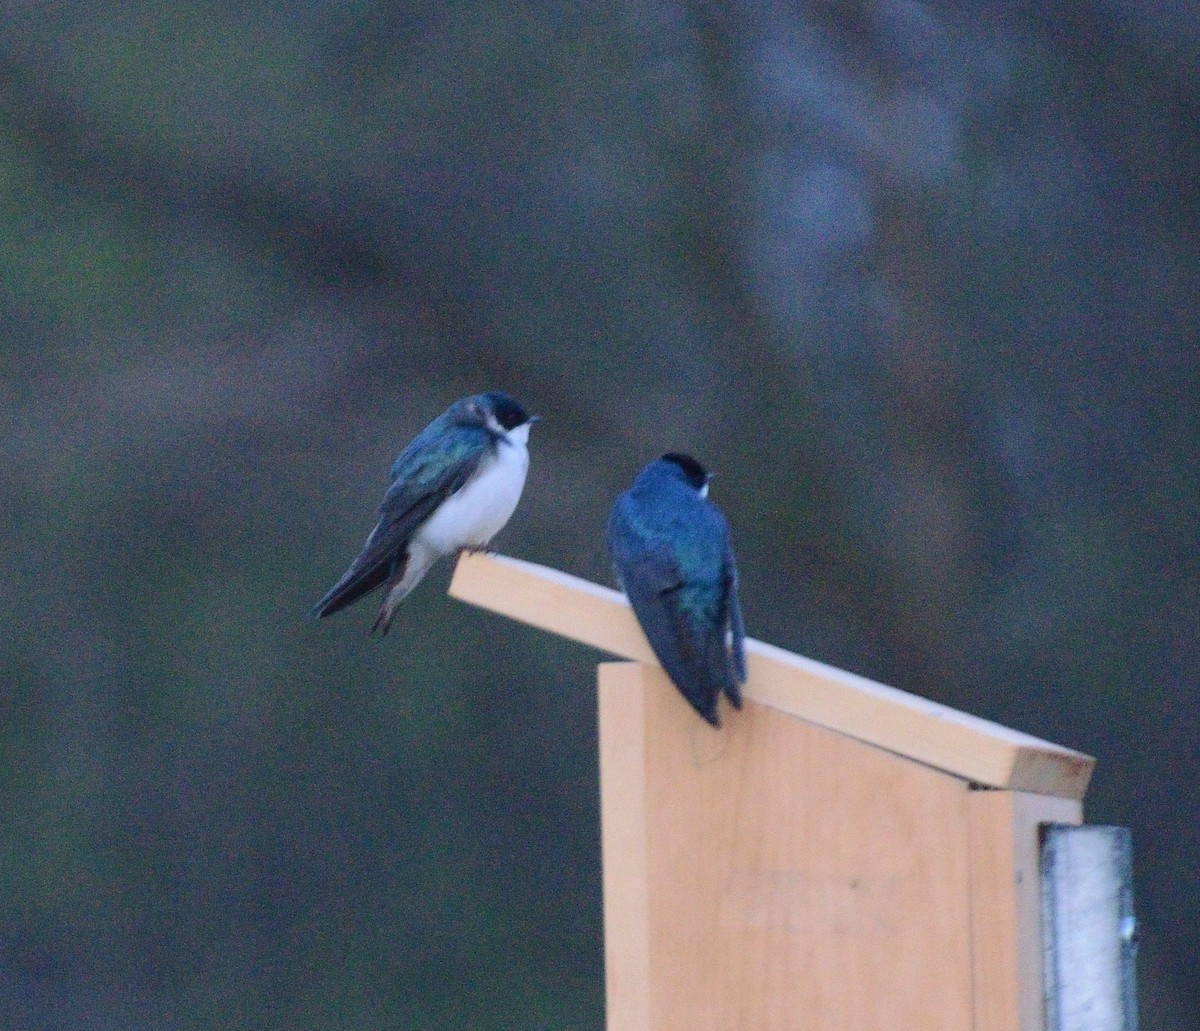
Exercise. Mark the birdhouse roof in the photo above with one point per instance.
(915, 728)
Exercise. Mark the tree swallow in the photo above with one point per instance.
(452, 489)
(671, 550)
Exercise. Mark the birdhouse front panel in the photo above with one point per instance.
(777, 875)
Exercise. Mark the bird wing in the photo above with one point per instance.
(656, 585)
(427, 472)
(736, 646)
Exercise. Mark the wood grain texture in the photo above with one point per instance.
(968, 747)
(623, 855)
(1002, 828)
(779, 876)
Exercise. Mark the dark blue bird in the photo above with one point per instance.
(671, 549)
(453, 488)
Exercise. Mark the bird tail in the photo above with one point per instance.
(355, 583)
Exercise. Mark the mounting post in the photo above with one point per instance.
(1088, 928)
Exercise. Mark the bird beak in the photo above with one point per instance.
(535, 418)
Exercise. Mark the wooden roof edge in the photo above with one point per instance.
(966, 746)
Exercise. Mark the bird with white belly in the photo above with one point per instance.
(452, 489)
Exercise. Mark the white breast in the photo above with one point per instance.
(478, 512)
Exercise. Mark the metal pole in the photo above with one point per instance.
(1088, 928)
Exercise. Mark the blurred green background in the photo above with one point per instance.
(919, 281)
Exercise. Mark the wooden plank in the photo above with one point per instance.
(623, 854)
(780, 877)
(1088, 929)
(1003, 833)
(974, 749)
(552, 600)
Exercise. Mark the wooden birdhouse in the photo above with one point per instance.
(838, 856)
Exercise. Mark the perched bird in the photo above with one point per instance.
(452, 489)
(671, 550)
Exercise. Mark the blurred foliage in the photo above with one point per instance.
(919, 281)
